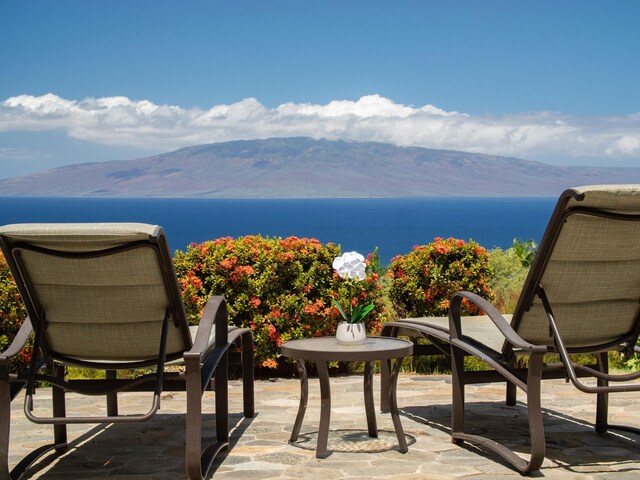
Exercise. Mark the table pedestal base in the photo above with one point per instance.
(325, 405)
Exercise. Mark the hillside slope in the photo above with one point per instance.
(304, 167)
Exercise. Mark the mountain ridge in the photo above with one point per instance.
(304, 167)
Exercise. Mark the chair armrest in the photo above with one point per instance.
(19, 341)
(215, 313)
(455, 324)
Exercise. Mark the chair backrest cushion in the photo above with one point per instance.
(589, 268)
(104, 307)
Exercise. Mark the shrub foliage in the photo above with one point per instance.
(281, 289)
(509, 275)
(12, 312)
(423, 281)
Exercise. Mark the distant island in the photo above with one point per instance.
(305, 167)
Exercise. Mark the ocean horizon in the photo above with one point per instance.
(393, 225)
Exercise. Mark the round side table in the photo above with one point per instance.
(326, 349)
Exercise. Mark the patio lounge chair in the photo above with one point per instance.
(581, 296)
(105, 296)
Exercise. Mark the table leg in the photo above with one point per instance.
(325, 410)
(393, 404)
(304, 395)
(384, 386)
(368, 400)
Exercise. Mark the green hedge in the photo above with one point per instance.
(281, 289)
(509, 275)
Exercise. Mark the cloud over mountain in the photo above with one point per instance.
(533, 135)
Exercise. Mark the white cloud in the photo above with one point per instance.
(7, 154)
(368, 106)
(122, 121)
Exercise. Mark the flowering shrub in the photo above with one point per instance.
(12, 312)
(281, 289)
(423, 281)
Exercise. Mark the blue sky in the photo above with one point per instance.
(550, 80)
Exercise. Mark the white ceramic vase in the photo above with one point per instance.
(351, 333)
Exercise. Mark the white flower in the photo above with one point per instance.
(350, 265)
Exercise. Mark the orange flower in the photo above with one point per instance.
(227, 263)
(269, 363)
(441, 248)
(195, 281)
(254, 302)
(245, 270)
(287, 256)
(311, 309)
(273, 333)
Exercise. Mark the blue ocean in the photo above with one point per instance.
(395, 225)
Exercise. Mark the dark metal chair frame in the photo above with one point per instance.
(206, 366)
(505, 365)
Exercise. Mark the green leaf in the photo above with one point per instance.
(360, 313)
(344, 315)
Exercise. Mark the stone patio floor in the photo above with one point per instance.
(260, 450)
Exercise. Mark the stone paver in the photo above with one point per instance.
(260, 449)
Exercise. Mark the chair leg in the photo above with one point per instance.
(457, 383)
(59, 410)
(112, 398)
(512, 388)
(5, 431)
(534, 410)
(248, 395)
(602, 399)
(5, 421)
(193, 436)
(197, 460)
(512, 394)
(222, 400)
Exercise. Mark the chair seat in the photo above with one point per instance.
(193, 330)
(478, 327)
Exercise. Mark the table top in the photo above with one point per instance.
(328, 349)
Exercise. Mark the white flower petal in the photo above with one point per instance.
(350, 265)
